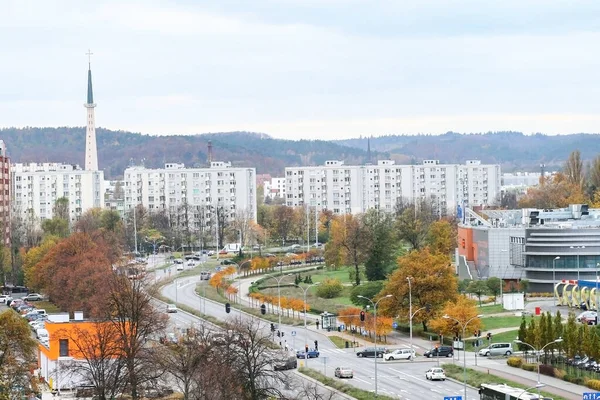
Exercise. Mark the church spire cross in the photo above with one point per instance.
(89, 54)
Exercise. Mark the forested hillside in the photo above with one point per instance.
(117, 149)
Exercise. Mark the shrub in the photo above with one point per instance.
(529, 367)
(516, 362)
(573, 379)
(329, 288)
(593, 384)
(559, 373)
(547, 370)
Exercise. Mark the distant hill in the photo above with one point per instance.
(513, 150)
(117, 149)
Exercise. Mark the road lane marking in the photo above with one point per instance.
(362, 380)
(410, 376)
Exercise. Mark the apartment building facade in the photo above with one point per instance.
(5, 200)
(356, 189)
(36, 187)
(170, 187)
(274, 188)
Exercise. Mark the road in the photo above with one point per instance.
(401, 379)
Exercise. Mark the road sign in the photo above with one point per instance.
(453, 398)
(293, 333)
(591, 396)
(395, 325)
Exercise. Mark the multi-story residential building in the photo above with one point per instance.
(5, 202)
(114, 196)
(274, 188)
(169, 188)
(36, 187)
(356, 189)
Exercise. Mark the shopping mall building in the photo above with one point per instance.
(540, 245)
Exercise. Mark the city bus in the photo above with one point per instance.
(489, 391)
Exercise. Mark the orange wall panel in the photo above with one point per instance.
(465, 243)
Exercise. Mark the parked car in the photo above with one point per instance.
(33, 297)
(5, 298)
(210, 253)
(585, 314)
(289, 363)
(311, 354)
(590, 318)
(178, 261)
(435, 373)
(440, 351)
(574, 360)
(191, 263)
(497, 349)
(371, 352)
(344, 372)
(399, 354)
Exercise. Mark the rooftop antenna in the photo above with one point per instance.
(210, 154)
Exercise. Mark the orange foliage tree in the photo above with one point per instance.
(433, 284)
(350, 316)
(462, 309)
(556, 192)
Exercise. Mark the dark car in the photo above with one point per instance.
(311, 354)
(371, 352)
(440, 351)
(290, 363)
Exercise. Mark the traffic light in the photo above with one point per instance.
(227, 308)
(479, 333)
(362, 316)
(272, 327)
(428, 307)
(282, 333)
(263, 309)
(316, 345)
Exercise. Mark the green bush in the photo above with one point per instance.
(573, 379)
(529, 367)
(516, 362)
(329, 288)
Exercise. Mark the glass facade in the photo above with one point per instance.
(565, 262)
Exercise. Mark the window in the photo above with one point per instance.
(63, 348)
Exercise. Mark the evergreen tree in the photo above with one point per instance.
(558, 331)
(522, 336)
(570, 336)
(530, 334)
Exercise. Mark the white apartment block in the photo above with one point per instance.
(356, 189)
(275, 188)
(170, 187)
(36, 187)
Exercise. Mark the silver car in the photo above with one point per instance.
(497, 349)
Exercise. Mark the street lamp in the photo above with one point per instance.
(597, 297)
(578, 247)
(464, 327)
(554, 278)
(375, 323)
(559, 340)
(279, 295)
(305, 328)
(537, 386)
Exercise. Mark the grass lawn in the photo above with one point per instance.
(50, 308)
(489, 323)
(340, 342)
(337, 384)
(493, 309)
(316, 303)
(476, 378)
(342, 273)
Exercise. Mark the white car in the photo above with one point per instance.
(399, 354)
(435, 374)
(191, 263)
(4, 298)
(585, 315)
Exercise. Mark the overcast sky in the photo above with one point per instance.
(304, 68)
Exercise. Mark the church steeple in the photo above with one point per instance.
(91, 152)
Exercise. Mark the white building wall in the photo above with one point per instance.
(170, 187)
(36, 187)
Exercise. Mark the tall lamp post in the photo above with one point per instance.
(537, 352)
(578, 248)
(554, 278)
(464, 327)
(305, 328)
(375, 323)
(597, 296)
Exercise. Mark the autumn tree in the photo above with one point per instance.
(557, 192)
(463, 310)
(17, 354)
(33, 276)
(380, 252)
(433, 284)
(594, 177)
(478, 288)
(349, 239)
(573, 170)
(131, 311)
(284, 220)
(89, 221)
(75, 273)
(350, 316)
(441, 237)
(98, 349)
(413, 220)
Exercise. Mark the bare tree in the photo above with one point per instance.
(242, 223)
(132, 314)
(574, 169)
(101, 362)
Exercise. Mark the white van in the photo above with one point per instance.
(42, 334)
(497, 349)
